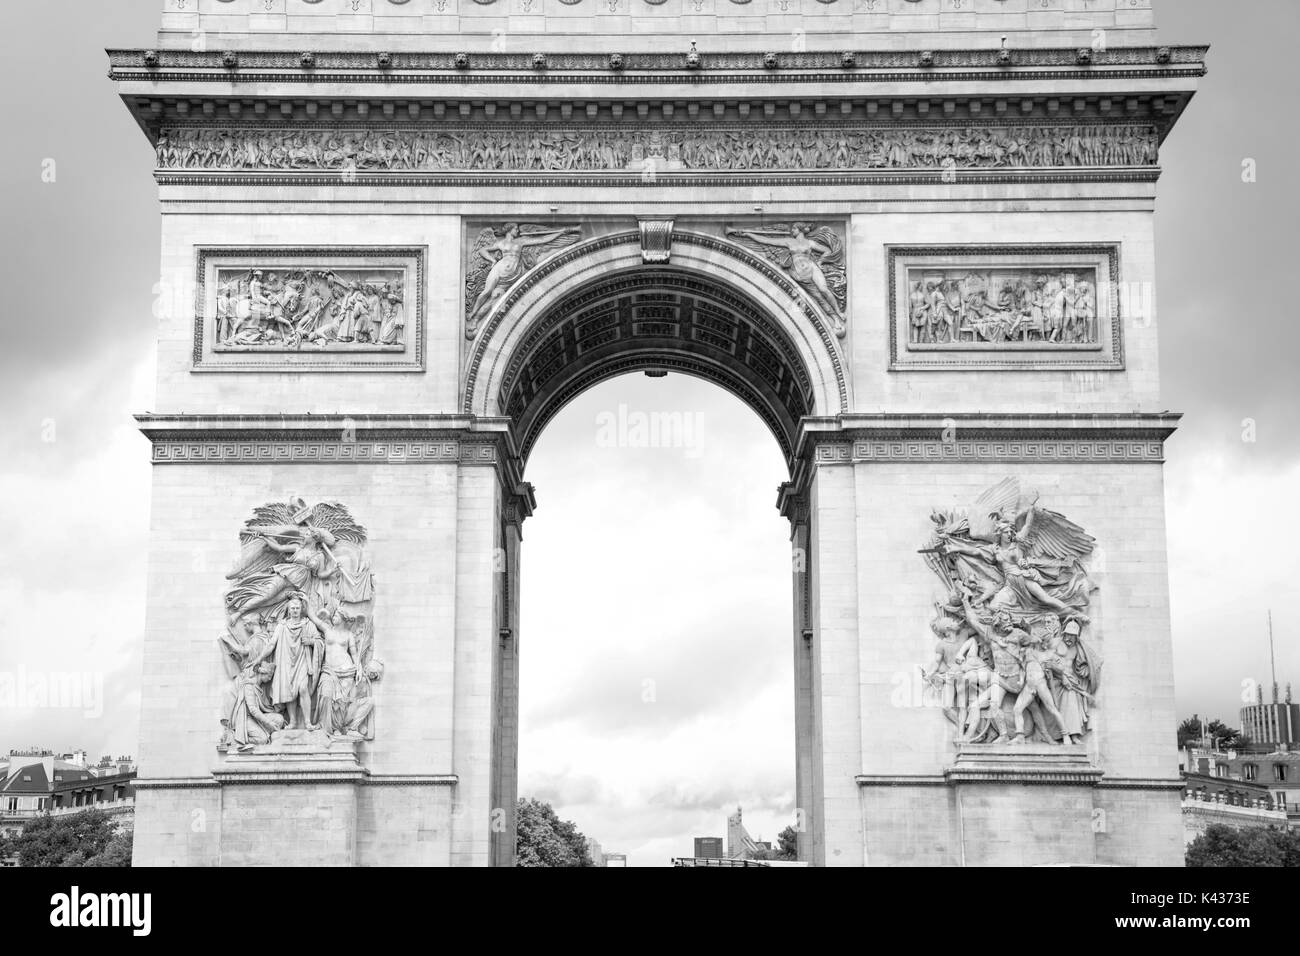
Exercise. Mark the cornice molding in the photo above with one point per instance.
(1140, 783)
(412, 780)
(809, 66)
(330, 439)
(973, 437)
(173, 783)
(276, 777)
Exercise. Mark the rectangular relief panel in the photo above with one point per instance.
(326, 309)
(1004, 307)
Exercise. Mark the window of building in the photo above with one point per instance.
(1220, 769)
(1249, 771)
(1279, 799)
(1279, 771)
(11, 804)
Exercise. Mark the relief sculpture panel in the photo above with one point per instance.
(616, 148)
(309, 309)
(299, 638)
(1012, 663)
(998, 307)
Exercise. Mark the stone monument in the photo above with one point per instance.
(915, 236)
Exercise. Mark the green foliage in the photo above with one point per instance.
(117, 853)
(787, 844)
(1191, 730)
(77, 839)
(543, 839)
(787, 847)
(1224, 846)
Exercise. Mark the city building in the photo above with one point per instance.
(595, 852)
(740, 845)
(708, 848)
(1236, 778)
(36, 782)
(1240, 804)
(616, 859)
(1274, 726)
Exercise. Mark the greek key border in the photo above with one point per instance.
(288, 451)
(1004, 451)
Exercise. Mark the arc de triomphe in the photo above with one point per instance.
(915, 236)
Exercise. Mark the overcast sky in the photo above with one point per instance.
(657, 681)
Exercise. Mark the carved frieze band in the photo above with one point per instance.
(609, 149)
(323, 452)
(993, 450)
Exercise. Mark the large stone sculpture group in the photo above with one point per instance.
(300, 636)
(1011, 664)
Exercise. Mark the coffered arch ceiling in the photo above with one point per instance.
(656, 319)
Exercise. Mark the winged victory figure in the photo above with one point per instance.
(290, 548)
(498, 259)
(1019, 593)
(813, 256)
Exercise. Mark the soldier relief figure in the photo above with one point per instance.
(299, 642)
(1011, 664)
(309, 309)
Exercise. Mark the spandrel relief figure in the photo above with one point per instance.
(812, 255)
(300, 634)
(497, 259)
(1017, 588)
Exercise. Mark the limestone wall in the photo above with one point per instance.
(725, 25)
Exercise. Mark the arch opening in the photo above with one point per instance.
(655, 682)
(656, 320)
(598, 310)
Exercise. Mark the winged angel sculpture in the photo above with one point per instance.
(1011, 663)
(497, 259)
(812, 255)
(299, 641)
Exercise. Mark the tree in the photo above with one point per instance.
(117, 853)
(1224, 846)
(71, 840)
(1228, 738)
(787, 844)
(1192, 730)
(543, 839)
(1189, 731)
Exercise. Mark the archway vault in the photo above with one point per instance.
(598, 310)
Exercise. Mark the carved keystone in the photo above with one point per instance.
(656, 239)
